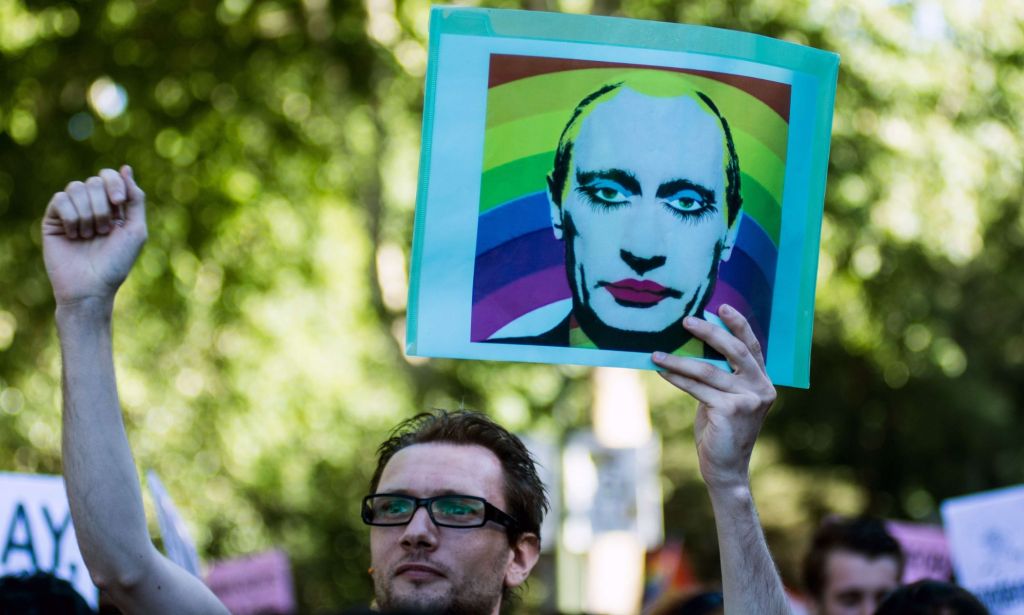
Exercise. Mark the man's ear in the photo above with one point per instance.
(730, 237)
(556, 209)
(525, 554)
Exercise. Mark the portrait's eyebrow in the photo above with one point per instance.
(623, 178)
(671, 188)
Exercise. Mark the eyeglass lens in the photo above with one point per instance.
(449, 510)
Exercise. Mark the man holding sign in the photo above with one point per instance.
(449, 533)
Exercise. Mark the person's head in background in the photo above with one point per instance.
(931, 598)
(853, 564)
(40, 593)
(690, 603)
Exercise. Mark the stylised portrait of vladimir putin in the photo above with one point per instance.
(644, 193)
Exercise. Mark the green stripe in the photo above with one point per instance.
(760, 163)
(514, 180)
(522, 138)
(760, 206)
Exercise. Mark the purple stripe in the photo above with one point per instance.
(501, 307)
(742, 273)
(725, 293)
(515, 259)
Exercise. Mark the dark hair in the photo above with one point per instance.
(865, 536)
(525, 496)
(931, 598)
(40, 594)
(700, 603)
(563, 154)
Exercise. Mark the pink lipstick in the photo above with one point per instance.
(639, 293)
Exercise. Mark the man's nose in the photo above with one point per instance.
(420, 532)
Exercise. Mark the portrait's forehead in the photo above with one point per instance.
(662, 136)
(435, 468)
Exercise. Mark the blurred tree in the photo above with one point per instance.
(259, 340)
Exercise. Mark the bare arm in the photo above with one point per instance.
(729, 416)
(92, 233)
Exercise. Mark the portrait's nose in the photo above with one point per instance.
(420, 532)
(641, 264)
(642, 244)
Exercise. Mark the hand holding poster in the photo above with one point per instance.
(586, 183)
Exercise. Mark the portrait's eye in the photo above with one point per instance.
(689, 203)
(606, 193)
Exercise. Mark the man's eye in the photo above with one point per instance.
(455, 509)
(394, 507)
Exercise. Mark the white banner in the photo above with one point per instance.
(986, 539)
(36, 532)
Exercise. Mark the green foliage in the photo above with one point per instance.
(259, 339)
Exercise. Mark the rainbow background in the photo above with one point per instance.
(519, 264)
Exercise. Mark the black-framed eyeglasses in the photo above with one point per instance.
(445, 510)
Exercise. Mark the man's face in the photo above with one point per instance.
(855, 584)
(644, 211)
(421, 566)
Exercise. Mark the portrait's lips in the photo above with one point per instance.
(418, 572)
(639, 293)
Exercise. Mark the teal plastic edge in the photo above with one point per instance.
(815, 210)
(632, 33)
(419, 221)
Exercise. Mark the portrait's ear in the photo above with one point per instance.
(730, 238)
(556, 210)
(524, 556)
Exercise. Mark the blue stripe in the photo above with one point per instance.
(759, 246)
(519, 217)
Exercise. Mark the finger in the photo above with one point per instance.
(700, 391)
(117, 192)
(80, 199)
(136, 204)
(741, 328)
(99, 203)
(735, 351)
(61, 216)
(697, 371)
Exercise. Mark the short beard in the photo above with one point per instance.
(607, 337)
(475, 599)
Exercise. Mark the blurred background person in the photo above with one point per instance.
(40, 593)
(929, 597)
(853, 564)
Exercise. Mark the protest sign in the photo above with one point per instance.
(178, 544)
(925, 551)
(37, 534)
(986, 540)
(255, 584)
(586, 182)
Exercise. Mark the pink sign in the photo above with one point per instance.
(925, 550)
(260, 583)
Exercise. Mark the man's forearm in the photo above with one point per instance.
(100, 475)
(750, 580)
